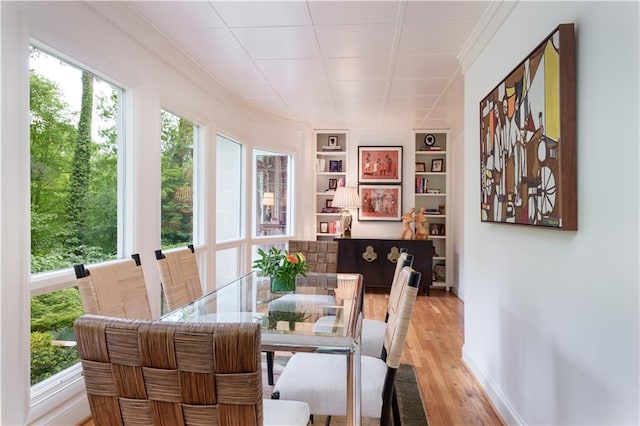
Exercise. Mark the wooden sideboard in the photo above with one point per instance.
(375, 259)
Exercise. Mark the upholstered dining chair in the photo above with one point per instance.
(163, 373)
(179, 276)
(372, 336)
(322, 256)
(115, 288)
(320, 379)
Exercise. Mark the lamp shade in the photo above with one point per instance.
(268, 199)
(347, 197)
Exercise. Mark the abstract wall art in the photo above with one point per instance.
(528, 139)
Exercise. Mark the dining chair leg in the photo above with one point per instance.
(327, 422)
(270, 367)
(395, 409)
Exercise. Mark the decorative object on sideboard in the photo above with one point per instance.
(407, 219)
(422, 231)
(380, 164)
(347, 198)
(537, 101)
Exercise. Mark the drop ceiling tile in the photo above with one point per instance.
(373, 105)
(239, 14)
(340, 69)
(425, 11)
(253, 89)
(355, 40)
(357, 89)
(276, 43)
(419, 102)
(292, 90)
(178, 14)
(353, 12)
(233, 70)
(445, 37)
(291, 69)
(431, 66)
(433, 86)
(208, 45)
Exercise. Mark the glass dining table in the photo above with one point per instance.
(324, 314)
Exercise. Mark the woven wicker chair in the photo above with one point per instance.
(320, 379)
(322, 256)
(179, 276)
(116, 288)
(161, 373)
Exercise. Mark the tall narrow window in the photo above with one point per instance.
(75, 129)
(178, 140)
(272, 195)
(229, 185)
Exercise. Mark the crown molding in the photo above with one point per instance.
(490, 22)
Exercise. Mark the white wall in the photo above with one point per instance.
(551, 317)
(118, 48)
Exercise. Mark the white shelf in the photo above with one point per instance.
(332, 153)
(331, 173)
(328, 214)
(431, 152)
(325, 234)
(327, 193)
(440, 180)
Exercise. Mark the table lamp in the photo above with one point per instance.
(268, 200)
(346, 197)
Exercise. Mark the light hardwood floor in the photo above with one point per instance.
(450, 393)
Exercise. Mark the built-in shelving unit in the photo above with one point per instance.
(331, 163)
(431, 188)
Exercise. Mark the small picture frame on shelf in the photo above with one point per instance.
(421, 167)
(332, 141)
(436, 165)
(333, 184)
(434, 229)
(324, 227)
(328, 204)
(335, 166)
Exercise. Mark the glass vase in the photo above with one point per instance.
(283, 284)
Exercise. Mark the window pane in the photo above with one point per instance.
(74, 165)
(272, 193)
(75, 129)
(229, 184)
(227, 265)
(178, 140)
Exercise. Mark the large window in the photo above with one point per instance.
(75, 130)
(178, 141)
(272, 194)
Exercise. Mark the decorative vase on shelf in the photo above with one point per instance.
(283, 284)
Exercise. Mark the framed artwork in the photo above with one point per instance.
(380, 164)
(333, 183)
(328, 204)
(332, 141)
(436, 165)
(324, 227)
(528, 139)
(421, 167)
(380, 202)
(335, 166)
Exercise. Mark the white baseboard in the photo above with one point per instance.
(505, 410)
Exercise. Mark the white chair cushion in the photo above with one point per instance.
(285, 413)
(321, 381)
(372, 338)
